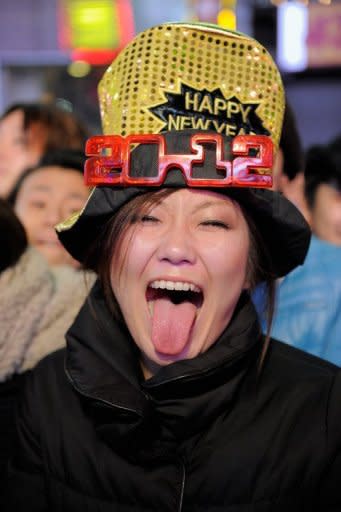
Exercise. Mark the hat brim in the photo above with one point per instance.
(283, 228)
(284, 231)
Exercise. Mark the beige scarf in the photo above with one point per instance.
(37, 306)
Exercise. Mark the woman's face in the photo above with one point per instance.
(19, 149)
(326, 214)
(46, 197)
(178, 272)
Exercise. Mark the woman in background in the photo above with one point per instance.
(27, 132)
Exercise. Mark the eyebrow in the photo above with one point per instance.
(46, 188)
(209, 203)
(40, 188)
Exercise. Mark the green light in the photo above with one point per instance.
(78, 68)
(93, 23)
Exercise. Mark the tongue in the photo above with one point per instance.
(171, 325)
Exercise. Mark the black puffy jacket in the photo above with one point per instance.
(207, 434)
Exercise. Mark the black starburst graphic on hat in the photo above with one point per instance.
(209, 110)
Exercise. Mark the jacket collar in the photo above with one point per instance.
(102, 363)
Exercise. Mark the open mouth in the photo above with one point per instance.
(176, 292)
(173, 308)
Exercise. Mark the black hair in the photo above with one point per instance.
(13, 240)
(62, 128)
(291, 145)
(323, 165)
(67, 159)
(101, 251)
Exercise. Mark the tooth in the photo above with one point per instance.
(177, 285)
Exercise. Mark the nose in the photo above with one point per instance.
(53, 215)
(176, 246)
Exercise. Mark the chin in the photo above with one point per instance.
(56, 259)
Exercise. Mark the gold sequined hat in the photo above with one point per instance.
(184, 77)
(180, 76)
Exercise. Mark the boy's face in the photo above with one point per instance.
(326, 214)
(46, 197)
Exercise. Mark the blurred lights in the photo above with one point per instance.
(277, 3)
(93, 24)
(94, 30)
(63, 104)
(79, 68)
(221, 12)
(292, 22)
(304, 2)
(91, 14)
(227, 19)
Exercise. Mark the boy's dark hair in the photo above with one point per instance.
(67, 159)
(323, 165)
(13, 240)
(291, 146)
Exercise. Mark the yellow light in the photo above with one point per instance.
(228, 4)
(93, 23)
(78, 68)
(227, 19)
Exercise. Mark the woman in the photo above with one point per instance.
(171, 399)
(27, 131)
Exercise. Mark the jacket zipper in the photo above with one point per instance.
(182, 490)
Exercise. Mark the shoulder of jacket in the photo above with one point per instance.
(48, 368)
(297, 364)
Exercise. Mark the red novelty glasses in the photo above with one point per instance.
(110, 161)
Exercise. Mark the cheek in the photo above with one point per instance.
(325, 217)
(20, 209)
(31, 223)
(229, 261)
(137, 255)
(126, 263)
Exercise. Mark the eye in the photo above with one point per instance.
(215, 223)
(70, 209)
(149, 219)
(38, 204)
